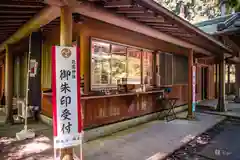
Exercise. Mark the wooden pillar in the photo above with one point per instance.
(190, 84)
(9, 85)
(66, 26)
(221, 93)
(237, 82)
(228, 82)
(154, 68)
(216, 83)
(2, 78)
(66, 40)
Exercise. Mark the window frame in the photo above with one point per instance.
(95, 87)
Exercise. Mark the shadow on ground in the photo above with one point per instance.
(218, 143)
(37, 148)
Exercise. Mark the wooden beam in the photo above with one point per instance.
(16, 11)
(180, 34)
(117, 3)
(161, 24)
(45, 16)
(234, 60)
(166, 27)
(131, 11)
(135, 10)
(233, 45)
(142, 15)
(12, 21)
(21, 4)
(10, 24)
(19, 16)
(4, 33)
(12, 28)
(61, 3)
(90, 10)
(151, 20)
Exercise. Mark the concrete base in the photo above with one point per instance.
(119, 126)
(25, 134)
(191, 117)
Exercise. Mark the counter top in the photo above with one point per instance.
(86, 97)
(120, 95)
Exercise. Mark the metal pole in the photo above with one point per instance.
(18, 79)
(25, 133)
(27, 82)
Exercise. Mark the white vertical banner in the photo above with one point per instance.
(67, 117)
(194, 88)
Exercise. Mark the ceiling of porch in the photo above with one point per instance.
(15, 13)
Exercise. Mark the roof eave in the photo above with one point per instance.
(155, 6)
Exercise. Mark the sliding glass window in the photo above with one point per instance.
(101, 59)
(147, 68)
(113, 63)
(134, 66)
(118, 64)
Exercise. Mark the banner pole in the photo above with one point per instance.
(25, 133)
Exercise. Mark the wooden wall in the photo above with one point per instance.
(109, 110)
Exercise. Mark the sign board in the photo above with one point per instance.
(67, 117)
(194, 89)
(33, 67)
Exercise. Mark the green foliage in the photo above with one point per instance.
(194, 10)
(233, 4)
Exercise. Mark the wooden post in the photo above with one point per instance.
(66, 26)
(221, 93)
(216, 83)
(9, 85)
(228, 83)
(237, 82)
(66, 40)
(154, 67)
(190, 84)
(2, 79)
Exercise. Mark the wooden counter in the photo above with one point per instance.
(105, 109)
